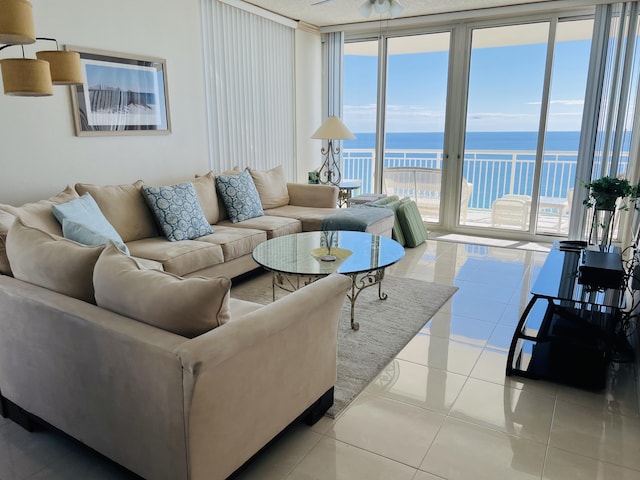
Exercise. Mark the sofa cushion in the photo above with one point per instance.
(51, 261)
(235, 242)
(180, 258)
(177, 211)
(6, 219)
(274, 226)
(271, 186)
(413, 228)
(205, 186)
(124, 207)
(240, 196)
(310, 217)
(185, 306)
(83, 222)
(39, 214)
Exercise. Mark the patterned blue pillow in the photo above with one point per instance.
(240, 196)
(177, 211)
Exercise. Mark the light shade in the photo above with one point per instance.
(16, 22)
(26, 77)
(395, 8)
(392, 7)
(65, 66)
(366, 8)
(333, 129)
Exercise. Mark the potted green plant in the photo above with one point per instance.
(605, 192)
(603, 196)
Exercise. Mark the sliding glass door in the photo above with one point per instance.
(415, 103)
(564, 120)
(479, 124)
(506, 79)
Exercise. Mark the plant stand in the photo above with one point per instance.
(602, 225)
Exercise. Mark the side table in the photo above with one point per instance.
(346, 191)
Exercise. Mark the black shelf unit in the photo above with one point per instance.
(566, 333)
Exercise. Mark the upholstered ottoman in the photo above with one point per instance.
(377, 221)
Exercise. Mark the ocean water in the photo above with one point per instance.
(509, 141)
(497, 180)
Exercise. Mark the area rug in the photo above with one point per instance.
(386, 326)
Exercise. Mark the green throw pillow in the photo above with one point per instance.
(413, 227)
(392, 203)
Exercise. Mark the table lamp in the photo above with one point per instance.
(332, 129)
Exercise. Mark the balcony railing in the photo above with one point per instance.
(493, 173)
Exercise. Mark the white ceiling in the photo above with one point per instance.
(338, 12)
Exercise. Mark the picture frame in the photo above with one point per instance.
(121, 94)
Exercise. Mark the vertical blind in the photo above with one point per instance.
(607, 146)
(250, 89)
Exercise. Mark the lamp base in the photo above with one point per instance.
(328, 258)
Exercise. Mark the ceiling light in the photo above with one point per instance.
(392, 7)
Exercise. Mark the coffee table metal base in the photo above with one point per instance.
(359, 282)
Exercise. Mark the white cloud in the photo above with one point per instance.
(560, 102)
(417, 118)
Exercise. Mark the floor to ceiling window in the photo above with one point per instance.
(360, 112)
(480, 121)
(563, 123)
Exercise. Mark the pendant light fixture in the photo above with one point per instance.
(16, 22)
(392, 7)
(32, 77)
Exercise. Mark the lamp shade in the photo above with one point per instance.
(16, 22)
(333, 129)
(64, 65)
(26, 77)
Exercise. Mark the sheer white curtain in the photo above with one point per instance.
(608, 143)
(250, 88)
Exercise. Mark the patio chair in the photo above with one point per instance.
(423, 186)
(511, 211)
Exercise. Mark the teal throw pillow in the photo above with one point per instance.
(177, 211)
(240, 196)
(86, 223)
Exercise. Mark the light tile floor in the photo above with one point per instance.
(442, 408)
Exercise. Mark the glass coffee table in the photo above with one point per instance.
(299, 259)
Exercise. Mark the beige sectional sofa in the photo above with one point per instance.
(146, 357)
(225, 252)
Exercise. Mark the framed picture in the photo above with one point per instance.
(121, 94)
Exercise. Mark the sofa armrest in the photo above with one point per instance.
(251, 377)
(313, 195)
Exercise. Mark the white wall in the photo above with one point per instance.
(39, 152)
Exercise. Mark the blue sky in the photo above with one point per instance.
(134, 78)
(504, 95)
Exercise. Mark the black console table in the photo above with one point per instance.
(567, 330)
